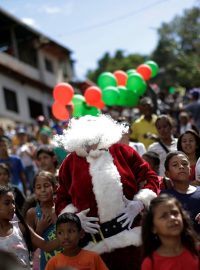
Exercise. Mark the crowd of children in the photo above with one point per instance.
(42, 240)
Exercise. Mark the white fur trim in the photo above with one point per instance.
(145, 196)
(107, 186)
(123, 239)
(69, 208)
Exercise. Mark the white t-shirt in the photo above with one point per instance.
(156, 147)
(15, 243)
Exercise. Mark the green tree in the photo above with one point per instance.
(178, 51)
(118, 62)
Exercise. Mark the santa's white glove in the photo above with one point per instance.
(131, 210)
(88, 224)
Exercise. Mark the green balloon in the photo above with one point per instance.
(130, 71)
(106, 79)
(172, 90)
(90, 110)
(110, 95)
(122, 96)
(133, 98)
(135, 82)
(78, 101)
(154, 67)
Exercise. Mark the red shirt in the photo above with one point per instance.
(184, 261)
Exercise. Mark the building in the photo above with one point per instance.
(31, 64)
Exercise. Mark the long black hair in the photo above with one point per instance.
(151, 242)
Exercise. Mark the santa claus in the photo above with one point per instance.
(108, 185)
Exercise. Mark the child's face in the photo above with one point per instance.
(167, 220)
(45, 162)
(7, 206)
(188, 143)
(164, 128)
(43, 189)
(69, 235)
(4, 177)
(179, 168)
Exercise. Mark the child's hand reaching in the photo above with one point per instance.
(197, 218)
(44, 223)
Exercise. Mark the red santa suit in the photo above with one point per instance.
(99, 182)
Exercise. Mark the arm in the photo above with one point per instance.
(39, 242)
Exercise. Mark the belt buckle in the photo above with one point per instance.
(101, 236)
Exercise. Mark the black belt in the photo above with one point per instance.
(108, 229)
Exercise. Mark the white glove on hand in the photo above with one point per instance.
(88, 223)
(131, 210)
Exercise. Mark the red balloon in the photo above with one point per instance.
(121, 77)
(145, 71)
(100, 104)
(63, 93)
(92, 95)
(59, 111)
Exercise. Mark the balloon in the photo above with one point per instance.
(92, 95)
(172, 90)
(100, 104)
(136, 83)
(145, 71)
(90, 110)
(106, 79)
(121, 77)
(110, 95)
(130, 71)
(133, 98)
(123, 95)
(154, 67)
(63, 93)
(78, 101)
(59, 111)
(127, 97)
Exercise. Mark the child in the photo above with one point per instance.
(46, 159)
(16, 236)
(42, 218)
(154, 162)
(69, 231)
(177, 168)
(168, 238)
(5, 181)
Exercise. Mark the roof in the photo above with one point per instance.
(21, 27)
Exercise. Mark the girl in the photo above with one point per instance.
(168, 238)
(5, 181)
(16, 236)
(42, 218)
(165, 142)
(189, 143)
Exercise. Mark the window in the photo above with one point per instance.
(48, 65)
(10, 98)
(35, 108)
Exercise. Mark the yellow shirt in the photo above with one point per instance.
(140, 127)
(85, 260)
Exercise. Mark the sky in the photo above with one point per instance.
(89, 28)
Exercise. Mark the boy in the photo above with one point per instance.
(69, 231)
(46, 159)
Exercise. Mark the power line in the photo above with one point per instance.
(107, 22)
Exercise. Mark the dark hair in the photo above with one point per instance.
(50, 176)
(5, 167)
(153, 156)
(69, 217)
(47, 150)
(27, 236)
(197, 139)
(151, 242)
(171, 155)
